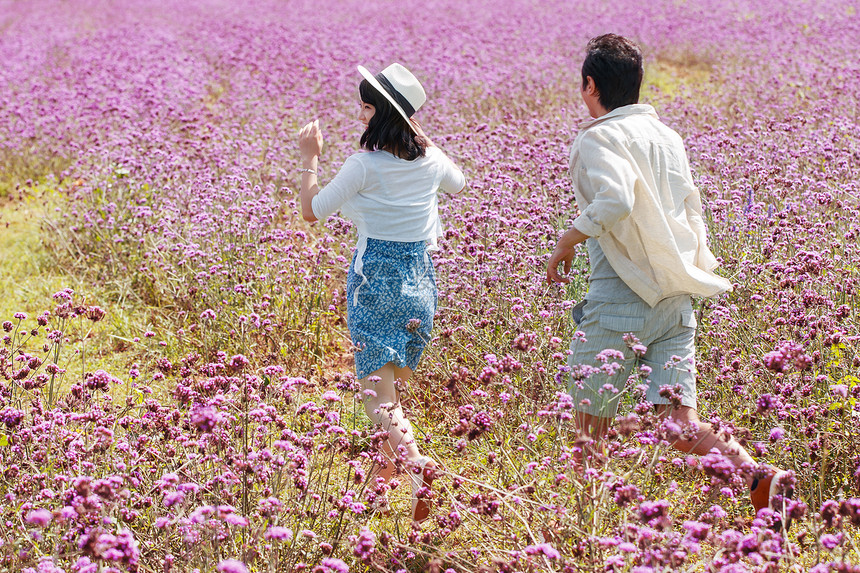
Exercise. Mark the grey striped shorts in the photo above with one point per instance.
(668, 331)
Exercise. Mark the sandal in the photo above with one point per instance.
(421, 477)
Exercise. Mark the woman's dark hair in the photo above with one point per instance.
(615, 63)
(387, 129)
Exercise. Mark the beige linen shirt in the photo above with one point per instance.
(636, 195)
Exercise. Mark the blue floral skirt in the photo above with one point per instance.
(391, 317)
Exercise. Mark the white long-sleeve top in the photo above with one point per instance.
(636, 195)
(390, 198)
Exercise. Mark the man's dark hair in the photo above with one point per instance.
(387, 129)
(615, 63)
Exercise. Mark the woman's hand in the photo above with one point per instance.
(310, 141)
(310, 146)
(420, 132)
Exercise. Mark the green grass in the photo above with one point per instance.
(31, 275)
(669, 77)
(18, 170)
(27, 271)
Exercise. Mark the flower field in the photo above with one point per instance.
(185, 401)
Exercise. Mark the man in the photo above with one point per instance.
(641, 220)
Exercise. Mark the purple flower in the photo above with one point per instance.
(231, 566)
(608, 354)
(332, 565)
(279, 533)
(655, 513)
(625, 494)
(697, 530)
(364, 544)
(830, 542)
(765, 403)
(121, 548)
(840, 390)
(162, 522)
(544, 549)
(85, 565)
(330, 396)
(850, 508)
(238, 362)
(206, 418)
(830, 513)
(12, 417)
(39, 517)
(173, 498)
(234, 519)
(99, 380)
(95, 313)
(65, 294)
(786, 355)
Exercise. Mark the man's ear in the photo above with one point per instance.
(590, 86)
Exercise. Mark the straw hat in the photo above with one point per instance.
(399, 87)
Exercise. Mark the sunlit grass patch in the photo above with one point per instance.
(23, 170)
(31, 275)
(668, 76)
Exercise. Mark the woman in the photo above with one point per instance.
(390, 192)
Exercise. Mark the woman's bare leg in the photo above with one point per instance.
(382, 404)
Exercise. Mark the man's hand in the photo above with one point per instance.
(563, 254)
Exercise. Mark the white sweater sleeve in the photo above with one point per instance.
(453, 179)
(346, 184)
